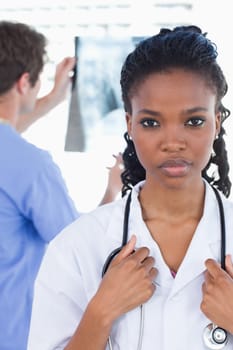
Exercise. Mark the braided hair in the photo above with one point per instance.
(183, 47)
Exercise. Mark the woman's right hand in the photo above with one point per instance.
(127, 284)
(128, 281)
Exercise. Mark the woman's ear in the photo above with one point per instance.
(128, 118)
(23, 83)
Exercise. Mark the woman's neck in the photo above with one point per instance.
(172, 203)
(172, 216)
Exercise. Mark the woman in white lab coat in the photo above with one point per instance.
(172, 88)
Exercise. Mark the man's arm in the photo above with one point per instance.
(62, 83)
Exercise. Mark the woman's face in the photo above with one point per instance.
(173, 126)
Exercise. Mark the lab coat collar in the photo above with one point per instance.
(205, 243)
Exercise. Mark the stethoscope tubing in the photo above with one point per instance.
(141, 330)
(223, 229)
(124, 236)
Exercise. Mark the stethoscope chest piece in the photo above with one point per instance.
(214, 337)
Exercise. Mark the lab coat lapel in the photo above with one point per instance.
(137, 226)
(203, 245)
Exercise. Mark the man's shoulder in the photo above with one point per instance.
(17, 154)
(13, 142)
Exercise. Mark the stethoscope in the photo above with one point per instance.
(214, 337)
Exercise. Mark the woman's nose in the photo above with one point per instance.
(173, 141)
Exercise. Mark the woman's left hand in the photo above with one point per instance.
(217, 302)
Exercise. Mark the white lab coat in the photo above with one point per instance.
(71, 272)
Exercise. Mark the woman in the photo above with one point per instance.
(172, 88)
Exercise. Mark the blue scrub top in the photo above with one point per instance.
(34, 208)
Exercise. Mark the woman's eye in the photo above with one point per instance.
(195, 122)
(149, 123)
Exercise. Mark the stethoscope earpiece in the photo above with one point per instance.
(214, 337)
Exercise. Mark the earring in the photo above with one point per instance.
(127, 136)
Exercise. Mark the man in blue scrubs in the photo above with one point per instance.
(34, 202)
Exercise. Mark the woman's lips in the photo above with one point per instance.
(175, 167)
